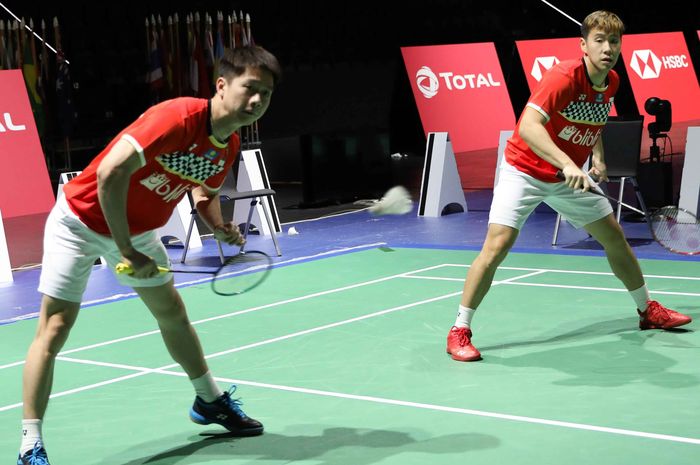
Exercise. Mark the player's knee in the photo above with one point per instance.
(172, 315)
(55, 334)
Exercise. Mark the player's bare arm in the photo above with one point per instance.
(209, 209)
(599, 169)
(113, 177)
(534, 133)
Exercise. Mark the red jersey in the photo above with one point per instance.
(576, 112)
(177, 151)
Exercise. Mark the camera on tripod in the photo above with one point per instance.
(661, 109)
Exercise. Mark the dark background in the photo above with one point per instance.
(345, 89)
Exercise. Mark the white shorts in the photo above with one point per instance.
(71, 249)
(517, 194)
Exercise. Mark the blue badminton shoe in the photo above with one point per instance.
(36, 456)
(226, 412)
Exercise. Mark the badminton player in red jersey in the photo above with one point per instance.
(112, 210)
(559, 128)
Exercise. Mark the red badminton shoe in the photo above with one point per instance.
(459, 345)
(656, 316)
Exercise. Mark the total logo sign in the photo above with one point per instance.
(8, 125)
(428, 82)
(648, 65)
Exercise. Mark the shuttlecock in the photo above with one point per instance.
(292, 231)
(396, 201)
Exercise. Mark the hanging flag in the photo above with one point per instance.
(43, 76)
(154, 77)
(165, 59)
(65, 109)
(251, 42)
(192, 67)
(30, 78)
(219, 46)
(177, 57)
(244, 38)
(199, 61)
(3, 64)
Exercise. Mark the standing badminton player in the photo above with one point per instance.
(112, 210)
(558, 129)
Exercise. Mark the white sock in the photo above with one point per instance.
(206, 387)
(641, 297)
(31, 434)
(464, 317)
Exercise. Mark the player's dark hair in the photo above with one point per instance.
(235, 61)
(605, 20)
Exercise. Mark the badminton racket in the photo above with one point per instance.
(675, 229)
(238, 274)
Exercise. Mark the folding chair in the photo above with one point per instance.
(255, 196)
(622, 142)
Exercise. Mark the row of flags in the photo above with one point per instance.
(182, 55)
(22, 48)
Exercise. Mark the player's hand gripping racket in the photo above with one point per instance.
(238, 274)
(676, 229)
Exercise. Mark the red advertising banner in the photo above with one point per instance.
(659, 65)
(26, 187)
(537, 56)
(460, 89)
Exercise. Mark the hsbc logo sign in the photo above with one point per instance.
(429, 83)
(9, 125)
(541, 65)
(648, 66)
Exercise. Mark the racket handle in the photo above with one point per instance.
(123, 268)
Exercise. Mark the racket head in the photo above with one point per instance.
(676, 229)
(241, 273)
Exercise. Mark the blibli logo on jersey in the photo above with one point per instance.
(160, 184)
(575, 136)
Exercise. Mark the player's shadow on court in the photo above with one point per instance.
(630, 358)
(334, 446)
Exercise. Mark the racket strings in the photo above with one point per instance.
(677, 230)
(241, 273)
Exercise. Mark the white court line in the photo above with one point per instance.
(114, 297)
(140, 371)
(232, 314)
(561, 286)
(552, 270)
(62, 356)
(402, 403)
